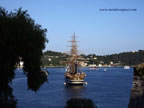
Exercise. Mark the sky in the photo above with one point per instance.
(98, 32)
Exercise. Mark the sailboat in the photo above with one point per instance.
(73, 74)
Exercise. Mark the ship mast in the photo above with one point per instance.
(73, 55)
(74, 46)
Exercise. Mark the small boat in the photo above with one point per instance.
(126, 67)
(73, 74)
(93, 68)
(44, 72)
(105, 69)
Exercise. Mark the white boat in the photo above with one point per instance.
(126, 67)
(44, 72)
(75, 82)
(93, 68)
(105, 69)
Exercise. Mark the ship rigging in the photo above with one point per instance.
(73, 75)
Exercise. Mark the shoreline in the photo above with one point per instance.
(87, 67)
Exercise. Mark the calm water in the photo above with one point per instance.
(107, 89)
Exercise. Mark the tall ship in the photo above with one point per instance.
(73, 74)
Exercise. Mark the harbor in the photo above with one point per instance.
(71, 54)
(110, 89)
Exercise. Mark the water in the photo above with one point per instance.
(107, 89)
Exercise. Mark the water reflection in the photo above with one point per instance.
(80, 103)
(73, 91)
(75, 96)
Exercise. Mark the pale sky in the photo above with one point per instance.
(98, 32)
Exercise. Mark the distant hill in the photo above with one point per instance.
(52, 58)
(53, 53)
(125, 58)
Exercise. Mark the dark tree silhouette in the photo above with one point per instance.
(20, 37)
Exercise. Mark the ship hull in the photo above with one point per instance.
(74, 82)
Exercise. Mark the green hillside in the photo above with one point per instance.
(51, 58)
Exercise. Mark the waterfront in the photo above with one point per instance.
(107, 89)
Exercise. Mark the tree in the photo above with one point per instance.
(20, 37)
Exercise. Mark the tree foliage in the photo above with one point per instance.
(20, 37)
